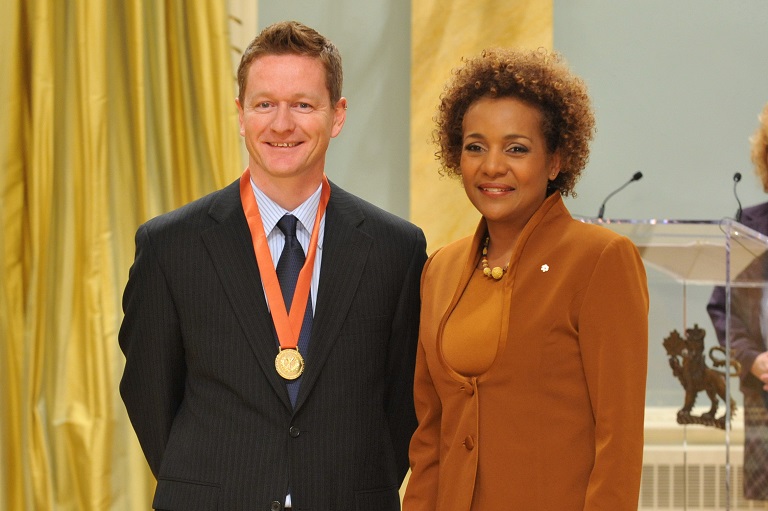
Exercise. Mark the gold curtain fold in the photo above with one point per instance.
(114, 111)
(442, 32)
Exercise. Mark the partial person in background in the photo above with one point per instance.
(749, 329)
(533, 343)
(245, 392)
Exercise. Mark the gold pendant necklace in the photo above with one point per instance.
(497, 271)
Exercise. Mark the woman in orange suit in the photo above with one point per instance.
(531, 369)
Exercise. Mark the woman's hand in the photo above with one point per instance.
(760, 368)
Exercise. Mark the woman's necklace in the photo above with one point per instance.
(497, 271)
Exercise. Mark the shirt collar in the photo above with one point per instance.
(271, 212)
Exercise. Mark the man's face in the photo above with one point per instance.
(287, 118)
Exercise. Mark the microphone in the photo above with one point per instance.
(736, 179)
(637, 176)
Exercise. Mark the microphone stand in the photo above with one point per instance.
(736, 179)
(635, 177)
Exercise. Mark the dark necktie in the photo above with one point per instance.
(288, 267)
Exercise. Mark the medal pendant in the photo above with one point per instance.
(289, 363)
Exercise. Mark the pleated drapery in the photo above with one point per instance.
(114, 111)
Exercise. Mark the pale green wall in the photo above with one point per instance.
(677, 86)
(371, 156)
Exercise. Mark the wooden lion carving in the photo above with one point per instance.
(686, 358)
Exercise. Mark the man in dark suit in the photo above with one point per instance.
(248, 394)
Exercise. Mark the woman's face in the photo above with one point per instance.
(505, 165)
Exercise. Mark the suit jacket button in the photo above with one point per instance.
(469, 443)
(468, 388)
(294, 431)
(276, 506)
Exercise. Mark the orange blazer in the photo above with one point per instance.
(556, 422)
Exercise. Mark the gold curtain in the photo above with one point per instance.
(442, 32)
(113, 111)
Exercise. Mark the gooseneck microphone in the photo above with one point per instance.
(637, 176)
(736, 179)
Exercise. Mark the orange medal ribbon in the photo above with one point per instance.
(287, 326)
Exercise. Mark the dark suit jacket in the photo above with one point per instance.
(212, 415)
(746, 337)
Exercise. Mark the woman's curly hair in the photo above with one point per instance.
(759, 143)
(538, 77)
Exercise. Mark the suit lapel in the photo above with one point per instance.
(231, 249)
(345, 251)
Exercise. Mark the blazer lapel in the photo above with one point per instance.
(345, 251)
(231, 249)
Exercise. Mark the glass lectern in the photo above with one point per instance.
(685, 259)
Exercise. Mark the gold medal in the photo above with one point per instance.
(289, 363)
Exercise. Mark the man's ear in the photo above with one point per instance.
(339, 116)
